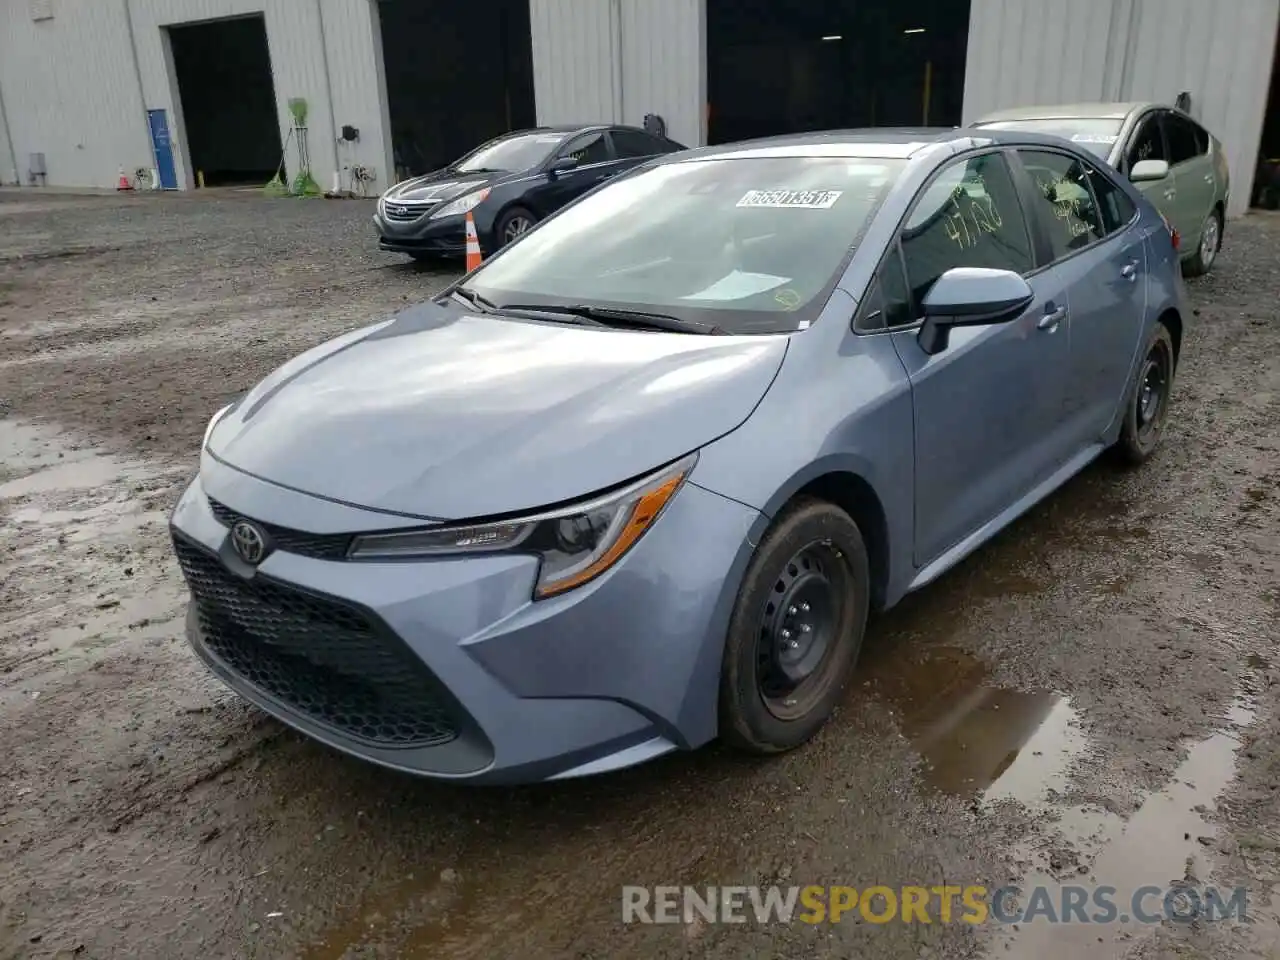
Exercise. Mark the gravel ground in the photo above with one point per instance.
(1090, 700)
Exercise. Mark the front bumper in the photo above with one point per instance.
(446, 668)
(446, 237)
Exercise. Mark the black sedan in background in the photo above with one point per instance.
(508, 185)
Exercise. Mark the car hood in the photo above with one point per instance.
(443, 414)
(442, 185)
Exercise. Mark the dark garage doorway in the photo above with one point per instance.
(776, 67)
(1266, 182)
(228, 99)
(457, 74)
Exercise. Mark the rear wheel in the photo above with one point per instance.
(514, 224)
(1210, 244)
(796, 629)
(1147, 407)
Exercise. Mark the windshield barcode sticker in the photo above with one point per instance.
(808, 199)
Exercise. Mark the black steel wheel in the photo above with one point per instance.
(1147, 405)
(796, 629)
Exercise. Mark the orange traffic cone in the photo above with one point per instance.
(474, 257)
(123, 183)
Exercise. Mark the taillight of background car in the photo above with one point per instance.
(1173, 234)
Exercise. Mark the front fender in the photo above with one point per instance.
(841, 404)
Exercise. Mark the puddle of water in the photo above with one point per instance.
(978, 739)
(82, 551)
(1163, 843)
(95, 470)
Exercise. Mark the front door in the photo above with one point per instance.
(596, 164)
(1148, 143)
(988, 408)
(162, 147)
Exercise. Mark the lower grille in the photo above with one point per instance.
(325, 659)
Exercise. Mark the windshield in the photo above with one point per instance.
(750, 245)
(1096, 135)
(518, 152)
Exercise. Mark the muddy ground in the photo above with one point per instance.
(1092, 699)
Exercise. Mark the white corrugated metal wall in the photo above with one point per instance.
(1055, 51)
(617, 60)
(71, 91)
(72, 88)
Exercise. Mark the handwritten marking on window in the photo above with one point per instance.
(1070, 202)
(971, 213)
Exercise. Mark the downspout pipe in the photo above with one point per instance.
(619, 94)
(8, 136)
(137, 76)
(328, 91)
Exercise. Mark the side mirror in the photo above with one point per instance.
(970, 297)
(1145, 171)
(562, 165)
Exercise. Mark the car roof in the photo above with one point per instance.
(1071, 111)
(882, 143)
(873, 142)
(556, 128)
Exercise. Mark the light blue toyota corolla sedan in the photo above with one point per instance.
(637, 481)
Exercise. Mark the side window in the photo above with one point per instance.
(1148, 143)
(632, 143)
(1063, 200)
(1113, 203)
(590, 148)
(1181, 134)
(888, 302)
(969, 216)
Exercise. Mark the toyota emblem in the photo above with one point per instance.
(249, 543)
(398, 211)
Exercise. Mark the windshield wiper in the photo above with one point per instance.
(556, 314)
(482, 304)
(616, 317)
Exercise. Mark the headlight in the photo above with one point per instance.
(213, 422)
(576, 544)
(463, 204)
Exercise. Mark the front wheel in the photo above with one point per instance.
(514, 224)
(1147, 404)
(796, 629)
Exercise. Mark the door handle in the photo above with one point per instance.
(1208, 178)
(1049, 322)
(1170, 194)
(1129, 271)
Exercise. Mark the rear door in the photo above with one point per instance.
(988, 407)
(1089, 225)
(1193, 174)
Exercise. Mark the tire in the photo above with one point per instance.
(813, 557)
(512, 224)
(1144, 424)
(1210, 243)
